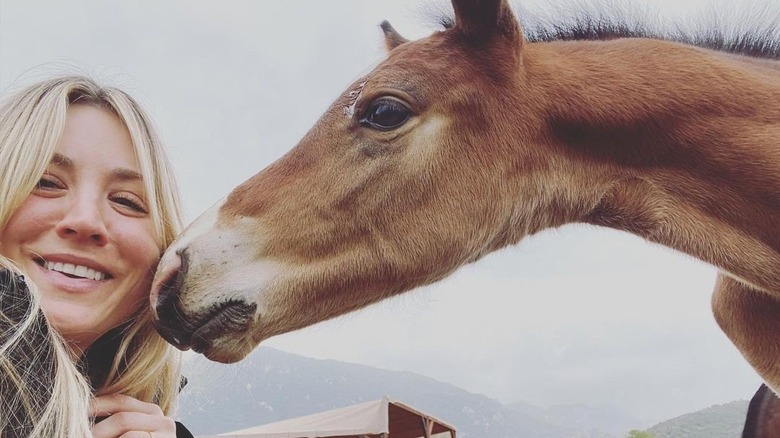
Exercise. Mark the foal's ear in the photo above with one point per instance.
(481, 20)
(392, 38)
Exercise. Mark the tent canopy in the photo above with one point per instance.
(379, 418)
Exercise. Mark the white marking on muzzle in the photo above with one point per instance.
(170, 260)
(224, 261)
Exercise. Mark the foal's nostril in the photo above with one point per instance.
(171, 285)
(185, 257)
(170, 322)
(167, 303)
(170, 325)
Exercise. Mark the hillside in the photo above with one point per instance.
(590, 421)
(719, 421)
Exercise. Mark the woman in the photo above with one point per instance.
(87, 204)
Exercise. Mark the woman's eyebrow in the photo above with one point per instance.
(120, 173)
(124, 174)
(61, 160)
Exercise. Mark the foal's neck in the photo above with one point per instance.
(686, 143)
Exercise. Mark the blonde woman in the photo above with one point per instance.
(87, 204)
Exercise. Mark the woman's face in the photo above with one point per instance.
(84, 235)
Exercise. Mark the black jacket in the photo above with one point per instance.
(95, 364)
(97, 360)
(35, 357)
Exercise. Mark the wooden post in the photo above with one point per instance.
(427, 426)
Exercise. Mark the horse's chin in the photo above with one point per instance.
(227, 349)
(223, 333)
(226, 339)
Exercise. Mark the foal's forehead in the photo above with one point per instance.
(418, 66)
(420, 72)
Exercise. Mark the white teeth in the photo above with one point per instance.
(75, 270)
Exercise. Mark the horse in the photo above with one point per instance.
(468, 140)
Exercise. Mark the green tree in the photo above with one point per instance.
(639, 434)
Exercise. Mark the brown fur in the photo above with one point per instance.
(674, 143)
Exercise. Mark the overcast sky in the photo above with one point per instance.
(572, 315)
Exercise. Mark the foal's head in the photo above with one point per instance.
(411, 173)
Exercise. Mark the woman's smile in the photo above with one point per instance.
(72, 274)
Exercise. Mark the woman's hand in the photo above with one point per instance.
(127, 417)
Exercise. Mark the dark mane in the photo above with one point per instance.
(754, 33)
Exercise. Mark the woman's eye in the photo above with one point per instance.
(48, 182)
(386, 114)
(131, 202)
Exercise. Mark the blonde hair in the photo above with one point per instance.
(145, 366)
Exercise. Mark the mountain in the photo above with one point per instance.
(270, 385)
(719, 421)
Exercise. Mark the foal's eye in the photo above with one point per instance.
(385, 114)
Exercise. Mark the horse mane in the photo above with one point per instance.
(731, 29)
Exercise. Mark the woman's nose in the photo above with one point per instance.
(83, 220)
